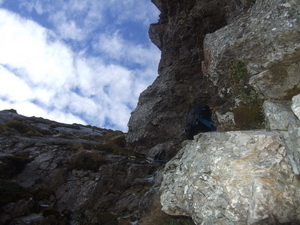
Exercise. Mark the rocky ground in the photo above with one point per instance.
(54, 173)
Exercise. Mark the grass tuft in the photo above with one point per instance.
(86, 160)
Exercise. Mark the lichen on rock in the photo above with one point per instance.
(238, 177)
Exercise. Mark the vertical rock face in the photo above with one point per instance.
(160, 115)
(243, 57)
(230, 54)
(266, 39)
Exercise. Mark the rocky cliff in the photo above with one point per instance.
(158, 121)
(55, 173)
(242, 57)
(229, 54)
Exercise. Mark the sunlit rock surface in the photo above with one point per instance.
(296, 105)
(265, 38)
(280, 117)
(238, 177)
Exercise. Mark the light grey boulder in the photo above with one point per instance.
(239, 177)
(296, 105)
(280, 117)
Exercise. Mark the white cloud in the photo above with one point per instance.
(24, 46)
(114, 46)
(76, 19)
(68, 29)
(111, 44)
(12, 87)
(27, 108)
(41, 75)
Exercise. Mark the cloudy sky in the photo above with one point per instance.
(76, 61)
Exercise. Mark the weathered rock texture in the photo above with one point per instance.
(280, 117)
(241, 56)
(54, 173)
(257, 55)
(160, 115)
(247, 65)
(229, 54)
(238, 177)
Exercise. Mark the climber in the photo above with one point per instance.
(199, 120)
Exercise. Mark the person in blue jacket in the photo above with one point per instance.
(199, 120)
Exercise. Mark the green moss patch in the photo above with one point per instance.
(249, 116)
(19, 127)
(86, 160)
(238, 73)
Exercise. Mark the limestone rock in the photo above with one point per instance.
(266, 39)
(280, 117)
(241, 177)
(296, 105)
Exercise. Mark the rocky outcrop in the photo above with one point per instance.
(229, 54)
(256, 56)
(54, 173)
(158, 121)
(266, 39)
(251, 66)
(241, 56)
(239, 177)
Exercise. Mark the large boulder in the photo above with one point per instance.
(222, 53)
(238, 177)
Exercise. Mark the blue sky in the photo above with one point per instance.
(76, 61)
